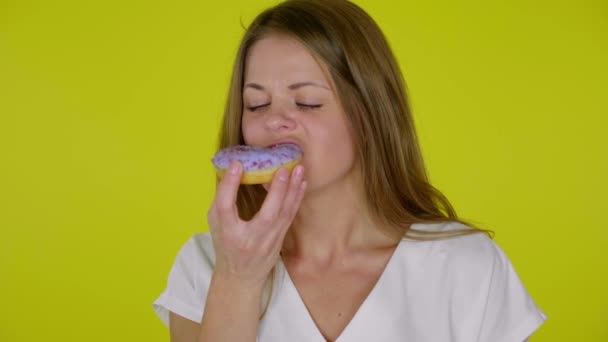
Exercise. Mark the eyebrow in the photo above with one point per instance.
(290, 87)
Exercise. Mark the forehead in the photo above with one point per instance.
(282, 58)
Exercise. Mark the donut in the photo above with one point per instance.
(259, 163)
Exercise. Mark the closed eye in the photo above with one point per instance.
(255, 108)
(303, 106)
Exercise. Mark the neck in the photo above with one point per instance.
(332, 223)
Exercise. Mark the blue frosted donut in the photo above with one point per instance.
(259, 163)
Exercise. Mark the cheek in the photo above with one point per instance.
(251, 132)
(343, 153)
(337, 149)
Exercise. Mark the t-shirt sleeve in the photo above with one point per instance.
(509, 313)
(188, 281)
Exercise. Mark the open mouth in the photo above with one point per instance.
(282, 143)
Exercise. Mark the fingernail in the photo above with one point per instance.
(283, 174)
(298, 170)
(234, 168)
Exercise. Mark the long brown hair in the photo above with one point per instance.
(372, 91)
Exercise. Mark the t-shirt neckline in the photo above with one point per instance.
(351, 327)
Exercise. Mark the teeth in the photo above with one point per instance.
(279, 144)
(284, 143)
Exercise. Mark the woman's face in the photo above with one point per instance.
(287, 97)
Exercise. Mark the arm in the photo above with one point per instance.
(232, 311)
(228, 305)
(182, 329)
(246, 252)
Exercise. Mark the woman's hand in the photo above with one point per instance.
(246, 251)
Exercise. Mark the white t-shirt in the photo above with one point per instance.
(462, 289)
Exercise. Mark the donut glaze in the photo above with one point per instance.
(259, 163)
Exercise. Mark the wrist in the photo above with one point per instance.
(237, 286)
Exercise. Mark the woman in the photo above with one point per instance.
(354, 244)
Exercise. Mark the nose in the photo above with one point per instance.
(279, 119)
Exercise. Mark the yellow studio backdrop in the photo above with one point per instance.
(109, 112)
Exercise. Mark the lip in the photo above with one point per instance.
(282, 142)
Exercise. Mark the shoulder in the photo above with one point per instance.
(200, 243)
(188, 280)
(197, 252)
(473, 256)
(194, 262)
(470, 245)
(484, 289)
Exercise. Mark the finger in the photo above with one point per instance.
(280, 237)
(292, 193)
(295, 206)
(227, 190)
(212, 220)
(299, 197)
(273, 201)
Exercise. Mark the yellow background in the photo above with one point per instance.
(109, 112)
